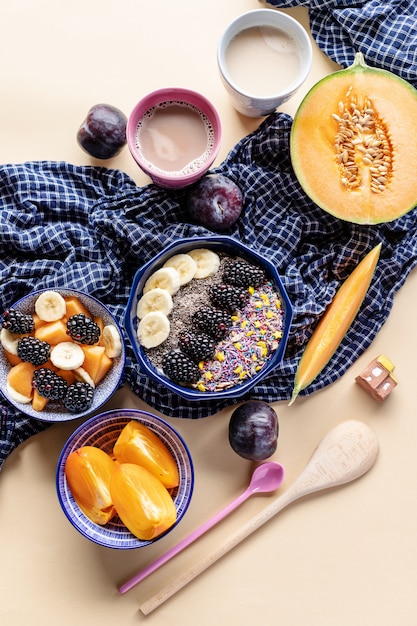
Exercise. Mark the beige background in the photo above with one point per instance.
(347, 557)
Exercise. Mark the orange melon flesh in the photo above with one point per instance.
(313, 144)
(105, 365)
(335, 322)
(38, 401)
(13, 359)
(20, 378)
(74, 307)
(53, 332)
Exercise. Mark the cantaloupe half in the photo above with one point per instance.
(354, 144)
(335, 322)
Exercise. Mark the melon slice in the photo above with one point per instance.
(105, 365)
(354, 144)
(75, 306)
(92, 359)
(12, 358)
(38, 401)
(53, 332)
(20, 376)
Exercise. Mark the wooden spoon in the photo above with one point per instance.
(347, 452)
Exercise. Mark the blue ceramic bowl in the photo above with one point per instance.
(102, 431)
(54, 411)
(219, 244)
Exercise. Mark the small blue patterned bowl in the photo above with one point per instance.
(54, 411)
(102, 431)
(232, 248)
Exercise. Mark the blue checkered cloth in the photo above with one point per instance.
(91, 228)
(384, 31)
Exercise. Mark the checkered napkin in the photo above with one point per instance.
(91, 228)
(383, 30)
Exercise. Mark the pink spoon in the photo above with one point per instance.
(266, 477)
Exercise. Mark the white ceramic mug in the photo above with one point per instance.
(263, 56)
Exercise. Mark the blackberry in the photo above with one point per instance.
(242, 274)
(212, 321)
(228, 297)
(198, 346)
(78, 397)
(180, 368)
(49, 384)
(33, 350)
(83, 329)
(17, 322)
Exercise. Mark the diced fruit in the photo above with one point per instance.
(83, 329)
(67, 375)
(20, 378)
(75, 306)
(88, 471)
(142, 502)
(50, 306)
(64, 354)
(37, 322)
(67, 355)
(139, 444)
(38, 401)
(105, 365)
(16, 396)
(92, 359)
(13, 359)
(79, 397)
(52, 332)
(111, 341)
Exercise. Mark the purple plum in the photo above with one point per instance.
(215, 201)
(253, 430)
(103, 132)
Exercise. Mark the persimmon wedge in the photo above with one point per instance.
(335, 322)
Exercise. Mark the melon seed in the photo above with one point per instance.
(362, 140)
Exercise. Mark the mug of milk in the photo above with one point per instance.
(174, 135)
(263, 56)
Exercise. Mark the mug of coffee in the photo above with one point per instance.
(263, 57)
(174, 135)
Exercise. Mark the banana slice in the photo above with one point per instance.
(208, 262)
(9, 340)
(67, 355)
(185, 266)
(83, 376)
(50, 306)
(165, 278)
(111, 341)
(155, 300)
(16, 396)
(153, 329)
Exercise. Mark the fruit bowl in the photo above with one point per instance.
(102, 431)
(106, 371)
(180, 315)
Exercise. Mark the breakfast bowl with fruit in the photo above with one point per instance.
(62, 354)
(125, 478)
(208, 318)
